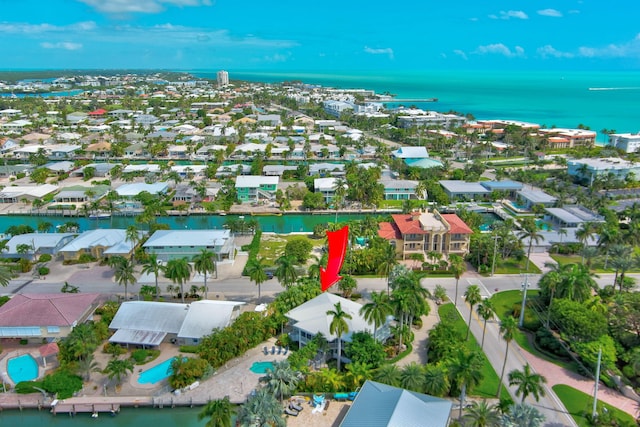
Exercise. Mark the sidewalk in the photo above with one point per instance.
(421, 336)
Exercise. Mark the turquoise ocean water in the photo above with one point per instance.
(599, 100)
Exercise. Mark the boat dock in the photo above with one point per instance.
(92, 408)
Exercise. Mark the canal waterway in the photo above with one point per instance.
(293, 223)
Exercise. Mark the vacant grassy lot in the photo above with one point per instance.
(272, 245)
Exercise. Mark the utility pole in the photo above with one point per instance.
(595, 393)
(525, 286)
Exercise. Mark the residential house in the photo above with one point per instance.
(310, 319)
(96, 243)
(172, 244)
(592, 169)
(571, 216)
(50, 317)
(38, 243)
(382, 405)
(627, 142)
(130, 191)
(324, 169)
(400, 189)
(21, 193)
(416, 157)
(569, 138)
(424, 232)
(462, 190)
(327, 187)
(528, 197)
(255, 187)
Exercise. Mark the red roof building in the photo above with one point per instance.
(98, 113)
(424, 232)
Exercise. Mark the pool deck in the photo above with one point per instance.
(33, 352)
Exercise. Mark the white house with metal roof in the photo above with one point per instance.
(132, 190)
(533, 196)
(172, 244)
(16, 194)
(39, 243)
(149, 323)
(96, 243)
(310, 319)
(464, 190)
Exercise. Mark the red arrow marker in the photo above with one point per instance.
(337, 250)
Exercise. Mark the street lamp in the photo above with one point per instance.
(495, 250)
(525, 286)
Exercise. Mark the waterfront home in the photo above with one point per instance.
(528, 197)
(80, 194)
(400, 189)
(57, 152)
(591, 169)
(415, 157)
(50, 317)
(423, 232)
(97, 243)
(310, 319)
(130, 191)
(27, 193)
(252, 188)
(571, 216)
(233, 170)
(100, 170)
(463, 190)
(277, 170)
(60, 168)
(37, 243)
(327, 187)
(324, 169)
(149, 323)
(627, 142)
(419, 118)
(172, 244)
(569, 138)
(382, 405)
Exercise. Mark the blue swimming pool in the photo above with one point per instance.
(22, 368)
(157, 373)
(261, 367)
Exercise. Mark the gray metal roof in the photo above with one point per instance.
(463, 187)
(105, 237)
(502, 185)
(173, 238)
(536, 196)
(381, 405)
(564, 215)
(150, 316)
(138, 337)
(37, 240)
(205, 316)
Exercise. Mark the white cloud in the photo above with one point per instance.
(383, 51)
(61, 45)
(500, 49)
(630, 49)
(549, 51)
(550, 12)
(516, 14)
(140, 6)
(25, 28)
(461, 54)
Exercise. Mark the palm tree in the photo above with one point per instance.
(5, 275)
(585, 232)
(179, 272)
(123, 272)
(619, 252)
(480, 414)
(436, 379)
(88, 365)
(281, 379)
(387, 263)
(218, 413)
(457, 267)
(522, 415)
(472, 297)
(529, 231)
(571, 281)
(465, 371)
(286, 271)
(388, 374)
(528, 383)
(261, 409)
(508, 328)
(377, 310)
(358, 373)
(118, 369)
(485, 311)
(204, 263)
(338, 326)
(412, 377)
(153, 266)
(132, 235)
(255, 270)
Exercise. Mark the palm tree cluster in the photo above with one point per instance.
(481, 414)
(123, 271)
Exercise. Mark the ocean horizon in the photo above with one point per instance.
(596, 99)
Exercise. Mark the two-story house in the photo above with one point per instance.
(251, 188)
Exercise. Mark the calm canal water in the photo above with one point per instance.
(277, 224)
(167, 417)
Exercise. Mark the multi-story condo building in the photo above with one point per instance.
(222, 78)
(627, 142)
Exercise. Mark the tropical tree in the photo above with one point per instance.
(281, 380)
(178, 270)
(529, 231)
(132, 235)
(347, 285)
(217, 412)
(528, 383)
(585, 232)
(5, 275)
(522, 415)
(204, 264)
(358, 373)
(261, 409)
(481, 414)
(472, 297)
(436, 379)
(87, 365)
(338, 326)
(257, 273)
(571, 281)
(508, 328)
(377, 310)
(389, 374)
(387, 262)
(457, 266)
(123, 272)
(118, 369)
(465, 371)
(485, 310)
(412, 377)
(286, 271)
(153, 266)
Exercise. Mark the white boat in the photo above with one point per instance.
(100, 216)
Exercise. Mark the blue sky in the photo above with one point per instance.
(327, 35)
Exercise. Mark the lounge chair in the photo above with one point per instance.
(291, 412)
(273, 350)
(286, 350)
(279, 350)
(265, 350)
(295, 406)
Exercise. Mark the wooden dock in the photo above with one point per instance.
(92, 408)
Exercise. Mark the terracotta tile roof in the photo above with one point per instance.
(458, 226)
(389, 231)
(45, 309)
(49, 349)
(407, 225)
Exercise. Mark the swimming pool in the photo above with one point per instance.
(261, 367)
(156, 373)
(22, 368)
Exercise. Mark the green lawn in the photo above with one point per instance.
(578, 404)
(272, 245)
(489, 385)
(512, 266)
(597, 264)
